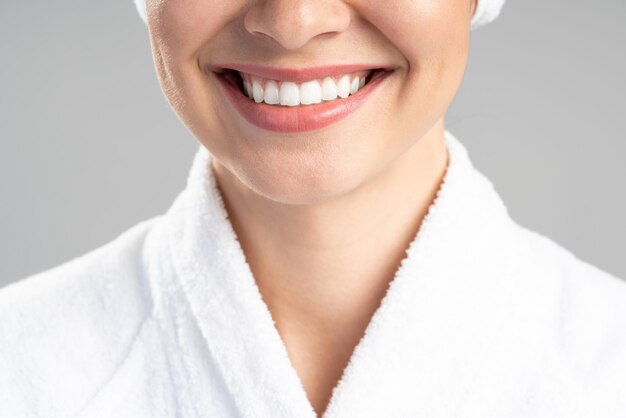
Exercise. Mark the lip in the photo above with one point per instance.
(297, 118)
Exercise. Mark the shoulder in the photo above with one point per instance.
(582, 284)
(586, 310)
(64, 330)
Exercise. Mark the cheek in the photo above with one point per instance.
(181, 27)
(422, 30)
(179, 31)
(433, 39)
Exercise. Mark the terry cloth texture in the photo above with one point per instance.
(486, 11)
(483, 319)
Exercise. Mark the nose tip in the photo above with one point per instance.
(294, 23)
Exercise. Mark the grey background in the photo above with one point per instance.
(89, 145)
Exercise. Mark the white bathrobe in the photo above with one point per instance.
(483, 319)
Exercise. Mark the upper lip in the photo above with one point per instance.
(297, 75)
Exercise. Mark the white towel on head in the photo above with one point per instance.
(486, 11)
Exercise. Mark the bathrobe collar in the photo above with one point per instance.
(424, 346)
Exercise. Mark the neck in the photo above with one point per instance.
(330, 263)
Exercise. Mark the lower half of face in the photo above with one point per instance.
(295, 153)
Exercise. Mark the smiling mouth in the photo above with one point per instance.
(290, 93)
(304, 104)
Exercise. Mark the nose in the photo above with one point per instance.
(294, 23)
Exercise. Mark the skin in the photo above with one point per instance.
(323, 217)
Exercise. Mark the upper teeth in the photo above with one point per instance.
(289, 93)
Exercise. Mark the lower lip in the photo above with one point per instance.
(300, 118)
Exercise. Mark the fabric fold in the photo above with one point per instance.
(465, 227)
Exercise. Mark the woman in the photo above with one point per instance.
(334, 253)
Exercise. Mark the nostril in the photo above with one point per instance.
(292, 24)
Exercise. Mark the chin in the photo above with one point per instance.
(301, 186)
